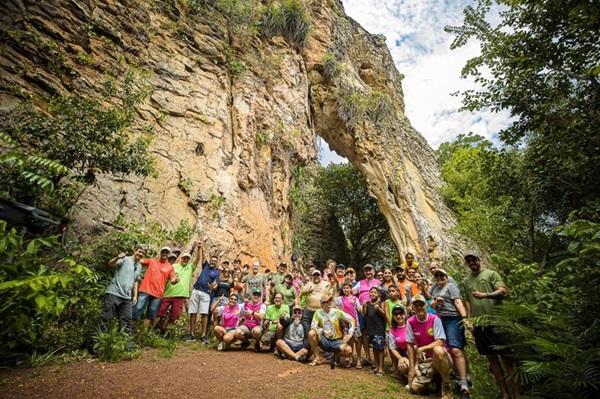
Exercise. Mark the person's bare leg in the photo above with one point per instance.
(204, 324)
(460, 364)
(358, 345)
(314, 345)
(285, 349)
(365, 343)
(229, 338)
(379, 356)
(192, 326)
(512, 380)
(441, 363)
(394, 356)
(403, 365)
(219, 332)
(498, 373)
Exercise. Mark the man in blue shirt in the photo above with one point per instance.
(200, 298)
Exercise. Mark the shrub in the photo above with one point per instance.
(40, 290)
(114, 344)
(288, 18)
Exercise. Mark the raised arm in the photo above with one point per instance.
(114, 261)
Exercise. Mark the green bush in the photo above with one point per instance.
(114, 344)
(40, 290)
(287, 18)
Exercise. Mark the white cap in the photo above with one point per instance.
(165, 249)
(186, 255)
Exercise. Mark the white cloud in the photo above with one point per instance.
(421, 51)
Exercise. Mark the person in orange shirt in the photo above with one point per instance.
(340, 271)
(408, 288)
(158, 272)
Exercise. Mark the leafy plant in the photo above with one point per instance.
(236, 67)
(185, 185)
(216, 201)
(287, 18)
(114, 344)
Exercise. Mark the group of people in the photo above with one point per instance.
(323, 317)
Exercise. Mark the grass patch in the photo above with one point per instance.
(361, 385)
(288, 18)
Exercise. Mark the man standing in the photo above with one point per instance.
(483, 290)
(253, 282)
(407, 288)
(153, 286)
(176, 294)
(327, 332)
(311, 293)
(426, 353)
(121, 293)
(201, 295)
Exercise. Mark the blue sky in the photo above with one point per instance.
(421, 50)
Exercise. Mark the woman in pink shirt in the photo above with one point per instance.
(229, 316)
(349, 304)
(397, 340)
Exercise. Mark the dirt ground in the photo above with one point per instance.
(200, 374)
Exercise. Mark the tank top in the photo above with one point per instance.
(349, 306)
(363, 289)
(230, 316)
(251, 322)
(422, 331)
(399, 335)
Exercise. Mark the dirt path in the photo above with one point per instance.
(198, 374)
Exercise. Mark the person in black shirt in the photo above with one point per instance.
(375, 317)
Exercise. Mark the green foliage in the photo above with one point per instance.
(243, 17)
(332, 205)
(114, 344)
(216, 202)
(127, 235)
(151, 339)
(82, 136)
(84, 58)
(354, 106)
(236, 67)
(185, 185)
(540, 63)
(287, 18)
(38, 288)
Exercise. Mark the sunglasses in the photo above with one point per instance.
(398, 314)
(297, 312)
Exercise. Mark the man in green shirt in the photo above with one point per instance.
(176, 294)
(483, 290)
(287, 290)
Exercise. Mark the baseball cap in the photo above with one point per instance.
(471, 253)
(186, 255)
(163, 249)
(398, 308)
(296, 308)
(340, 266)
(442, 271)
(325, 298)
(368, 266)
(418, 298)
(256, 292)
(316, 272)
(257, 263)
(176, 250)
(288, 275)
(350, 270)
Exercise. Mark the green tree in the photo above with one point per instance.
(540, 62)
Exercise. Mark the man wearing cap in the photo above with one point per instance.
(122, 291)
(350, 275)
(425, 339)
(326, 332)
(287, 290)
(200, 298)
(311, 294)
(433, 266)
(253, 281)
(176, 294)
(294, 343)
(361, 290)
(253, 312)
(483, 290)
(158, 272)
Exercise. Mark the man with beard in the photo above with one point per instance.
(312, 293)
(294, 343)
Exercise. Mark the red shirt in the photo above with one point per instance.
(156, 277)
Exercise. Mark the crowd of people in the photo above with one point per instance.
(418, 318)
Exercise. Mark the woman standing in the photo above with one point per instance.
(450, 309)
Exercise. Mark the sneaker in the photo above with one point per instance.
(220, 346)
(205, 340)
(245, 344)
(189, 338)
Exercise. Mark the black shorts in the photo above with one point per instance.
(486, 340)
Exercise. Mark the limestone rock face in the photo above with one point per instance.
(233, 117)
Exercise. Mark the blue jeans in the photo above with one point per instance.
(330, 345)
(153, 303)
(455, 331)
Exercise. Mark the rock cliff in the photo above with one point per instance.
(234, 114)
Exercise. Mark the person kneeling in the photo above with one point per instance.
(294, 344)
(326, 332)
(226, 330)
(427, 356)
